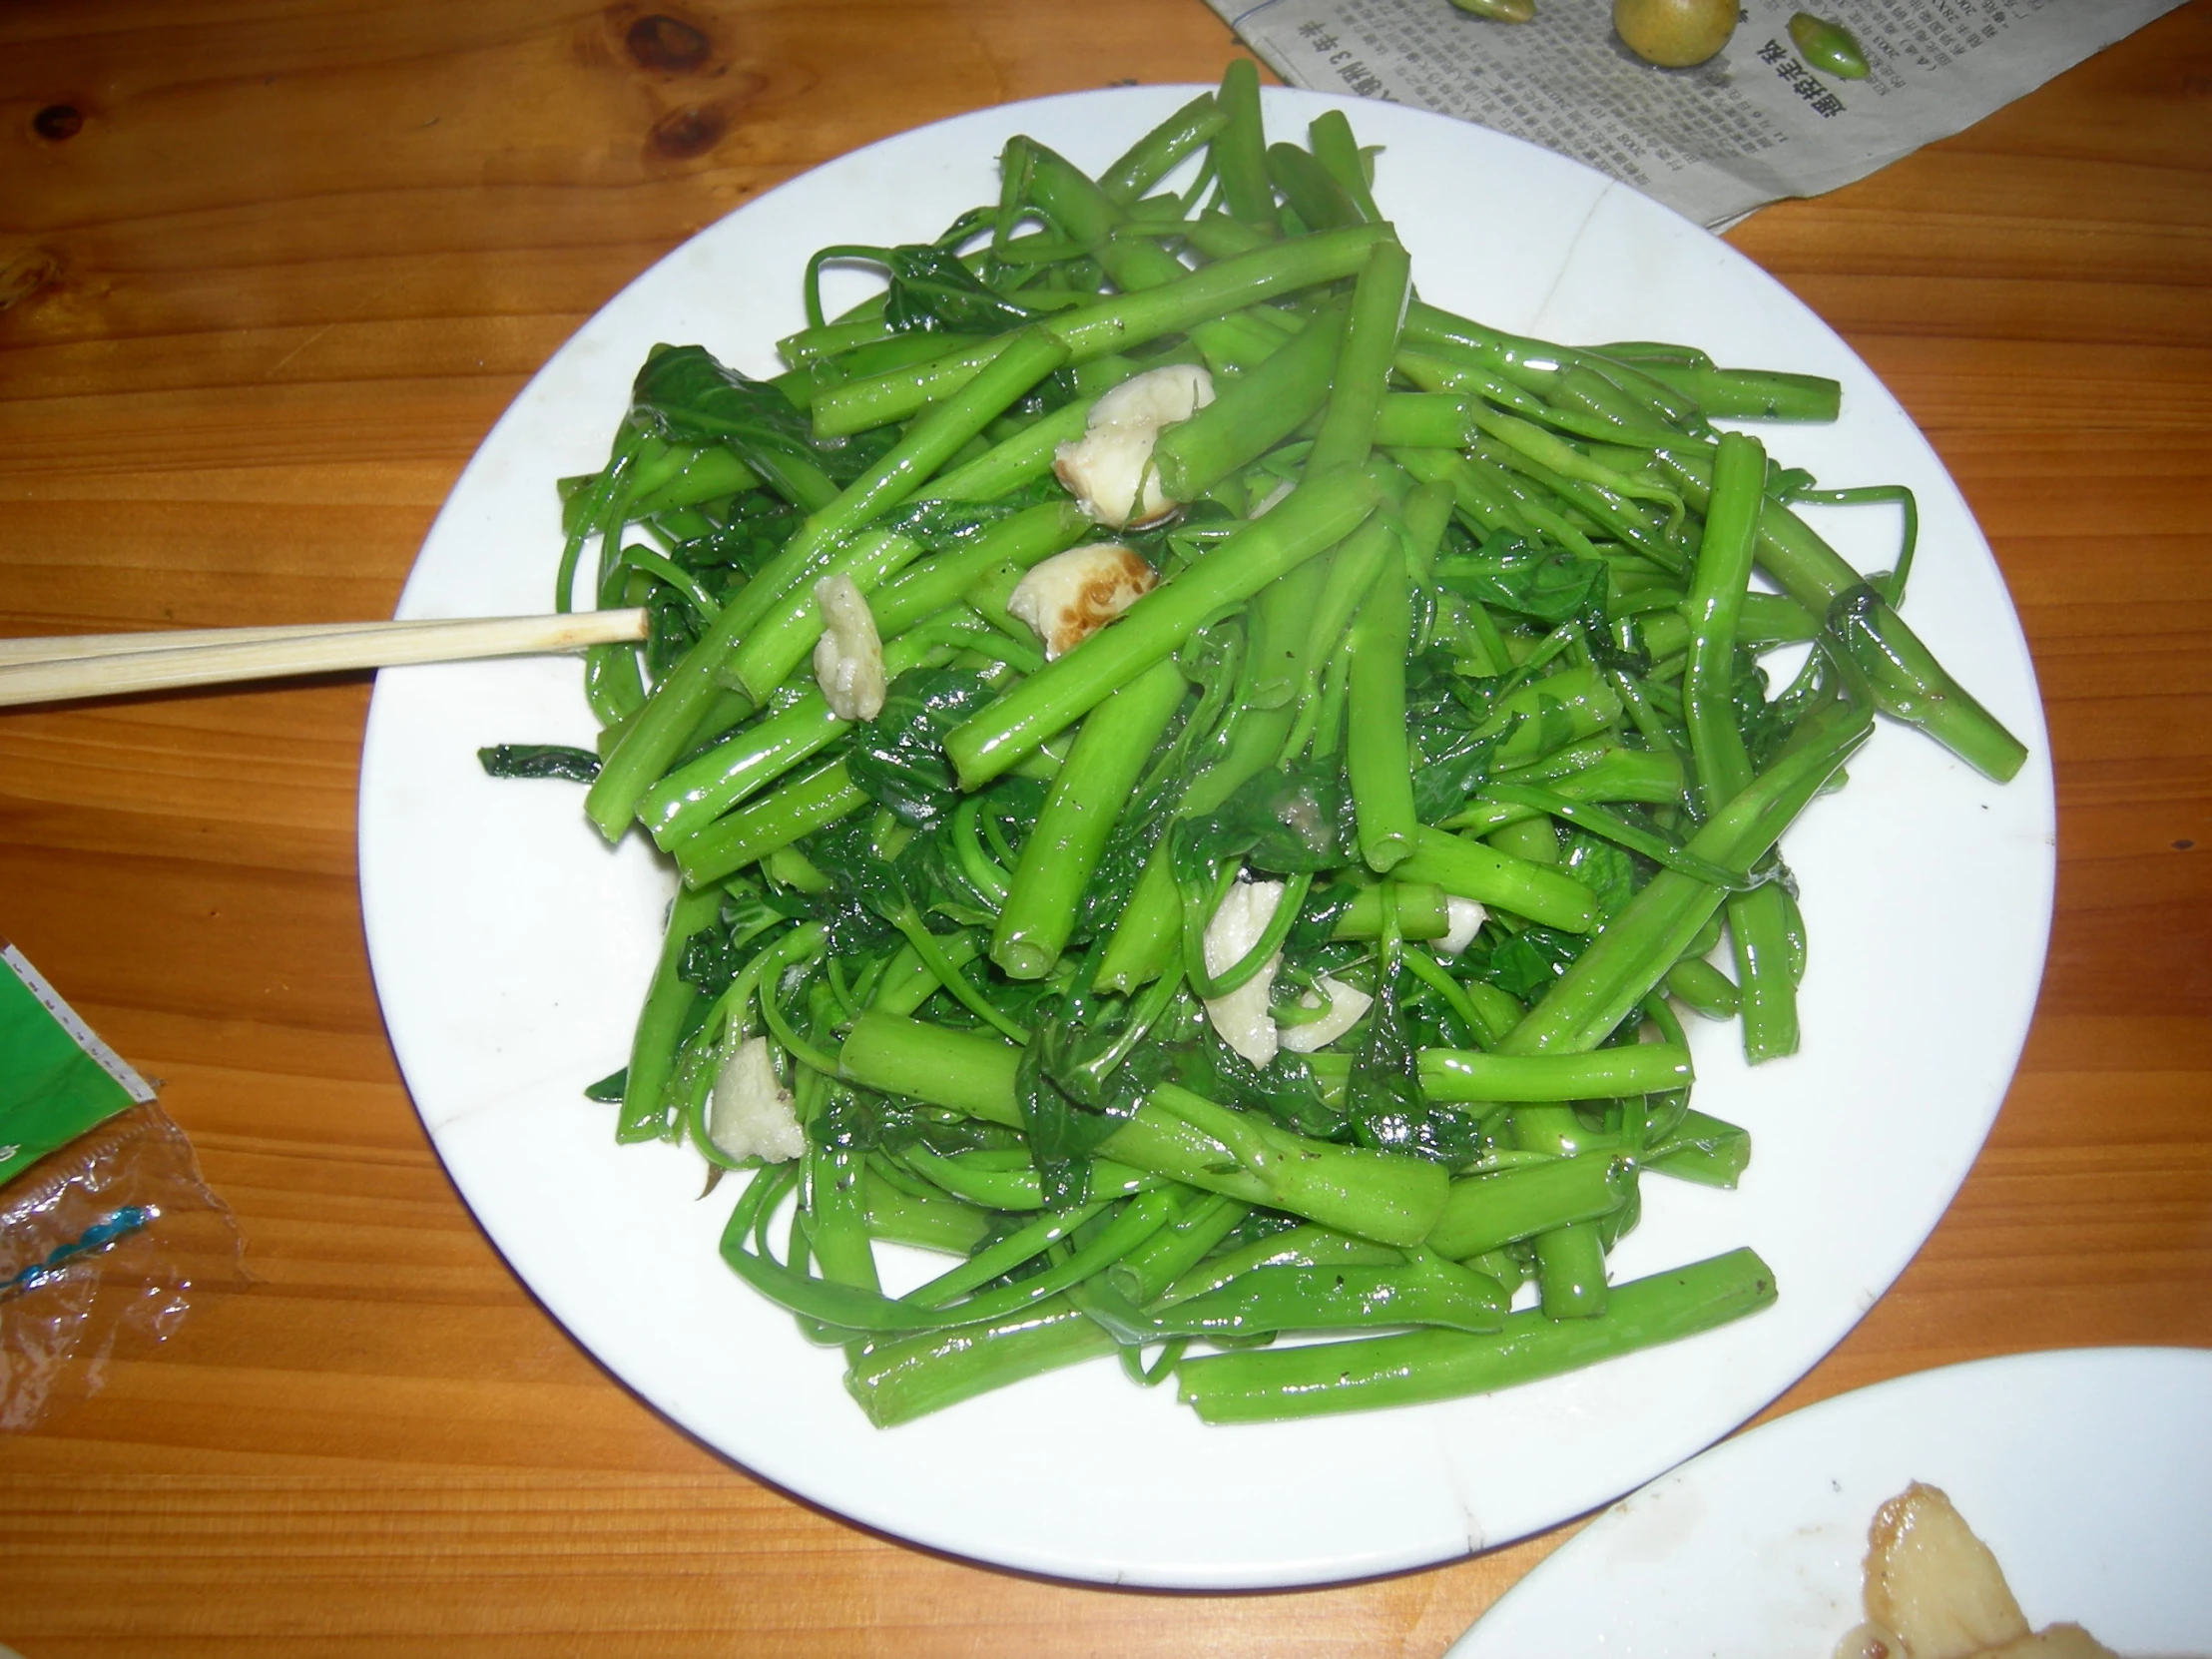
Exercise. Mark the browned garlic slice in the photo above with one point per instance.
(848, 658)
(750, 1114)
(1109, 468)
(1072, 595)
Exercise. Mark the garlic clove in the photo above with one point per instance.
(1109, 468)
(1071, 596)
(1241, 1018)
(848, 658)
(750, 1114)
(1348, 1004)
(1463, 919)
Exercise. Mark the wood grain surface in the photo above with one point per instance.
(270, 268)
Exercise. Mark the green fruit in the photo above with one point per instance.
(1827, 47)
(1674, 34)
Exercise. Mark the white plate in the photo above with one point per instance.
(2089, 1474)
(511, 948)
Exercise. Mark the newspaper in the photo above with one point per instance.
(1748, 127)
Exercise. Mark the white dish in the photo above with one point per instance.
(2088, 1473)
(510, 946)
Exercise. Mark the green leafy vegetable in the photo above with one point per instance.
(1449, 645)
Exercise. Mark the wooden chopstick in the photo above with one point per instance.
(63, 648)
(52, 670)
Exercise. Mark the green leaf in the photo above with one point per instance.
(853, 1119)
(942, 526)
(714, 956)
(755, 533)
(1285, 1089)
(897, 759)
(1063, 1132)
(1606, 870)
(1382, 1098)
(1443, 710)
(932, 290)
(539, 759)
(1526, 963)
(1299, 818)
(1509, 574)
(684, 395)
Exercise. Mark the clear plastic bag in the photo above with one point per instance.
(106, 1240)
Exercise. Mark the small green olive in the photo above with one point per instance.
(1827, 47)
(1674, 34)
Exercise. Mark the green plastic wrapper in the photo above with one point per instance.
(56, 1078)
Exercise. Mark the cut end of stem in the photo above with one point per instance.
(1386, 853)
(1021, 959)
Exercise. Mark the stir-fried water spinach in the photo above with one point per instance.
(1248, 897)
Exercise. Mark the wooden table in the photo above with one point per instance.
(269, 272)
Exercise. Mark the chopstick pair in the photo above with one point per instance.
(63, 667)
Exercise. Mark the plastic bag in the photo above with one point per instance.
(108, 1238)
(105, 1237)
